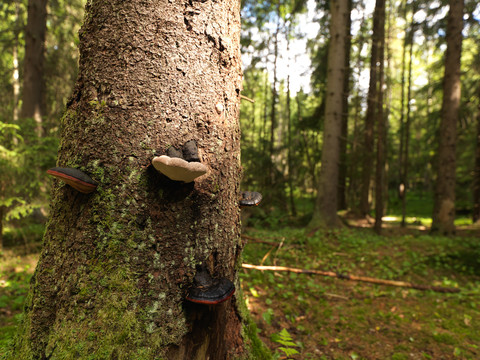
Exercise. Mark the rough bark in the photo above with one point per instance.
(476, 174)
(116, 264)
(325, 213)
(444, 202)
(367, 163)
(33, 97)
(380, 120)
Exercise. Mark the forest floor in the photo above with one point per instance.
(303, 316)
(330, 318)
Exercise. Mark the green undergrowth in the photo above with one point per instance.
(301, 316)
(330, 318)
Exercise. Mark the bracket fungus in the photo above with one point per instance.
(250, 198)
(209, 291)
(178, 169)
(181, 165)
(75, 178)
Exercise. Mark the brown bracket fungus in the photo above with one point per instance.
(250, 198)
(209, 291)
(178, 169)
(75, 178)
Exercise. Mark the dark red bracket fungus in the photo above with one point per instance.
(75, 178)
(178, 169)
(209, 291)
(250, 198)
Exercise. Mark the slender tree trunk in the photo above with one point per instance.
(444, 202)
(401, 177)
(291, 168)
(370, 117)
(265, 115)
(406, 155)
(33, 99)
(117, 263)
(380, 120)
(476, 177)
(325, 214)
(273, 110)
(16, 73)
(342, 175)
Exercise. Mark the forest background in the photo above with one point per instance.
(285, 51)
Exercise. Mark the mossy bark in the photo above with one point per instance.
(117, 263)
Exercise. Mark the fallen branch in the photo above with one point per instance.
(354, 278)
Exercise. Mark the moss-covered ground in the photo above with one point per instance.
(313, 317)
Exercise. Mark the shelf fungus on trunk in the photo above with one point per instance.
(181, 165)
(178, 169)
(250, 198)
(209, 291)
(75, 178)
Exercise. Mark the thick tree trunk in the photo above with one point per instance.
(370, 116)
(325, 213)
(33, 99)
(444, 202)
(117, 264)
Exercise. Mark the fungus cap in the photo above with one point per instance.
(217, 292)
(250, 198)
(178, 169)
(75, 178)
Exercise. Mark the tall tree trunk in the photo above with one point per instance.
(444, 202)
(273, 110)
(476, 177)
(401, 177)
(406, 152)
(16, 72)
(342, 175)
(291, 168)
(33, 99)
(380, 120)
(370, 116)
(325, 214)
(117, 263)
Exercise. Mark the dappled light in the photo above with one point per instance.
(295, 180)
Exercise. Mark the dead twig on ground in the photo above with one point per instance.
(404, 284)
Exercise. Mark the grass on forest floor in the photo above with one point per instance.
(314, 317)
(328, 318)
(16, 269)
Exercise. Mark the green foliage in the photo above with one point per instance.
(288, 345)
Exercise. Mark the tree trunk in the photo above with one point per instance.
(33, 99)
(380, 120)
(401, 177)
(117, 264)
(273, 112)
(444, 202)
(325, 214)
(370, 116)
(342, 175)
(476, 176)
(406, 151)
